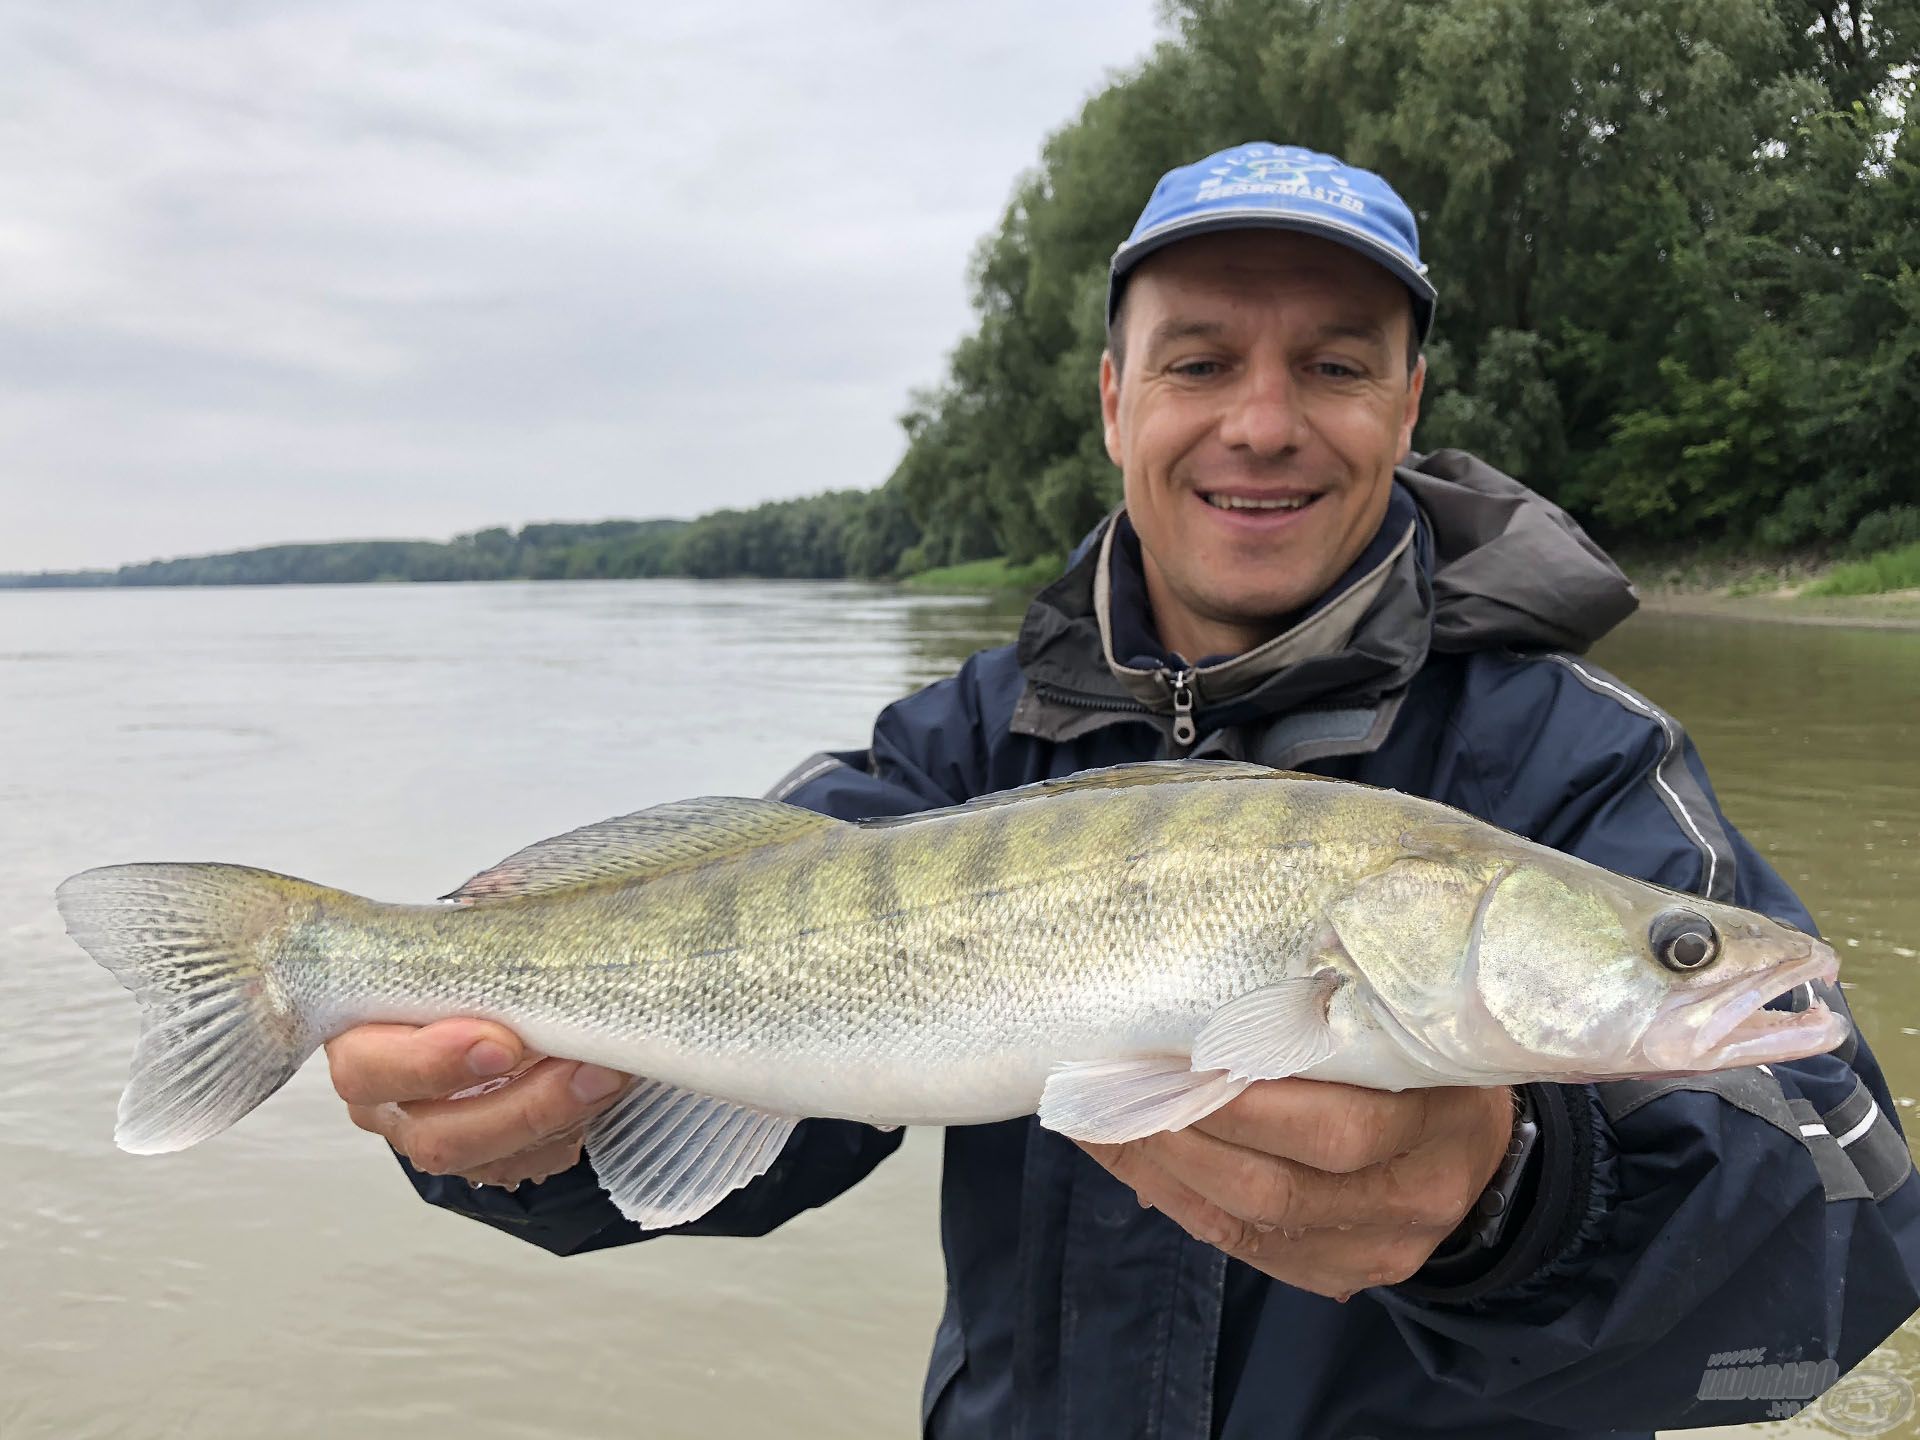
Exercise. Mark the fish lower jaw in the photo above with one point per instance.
(1768, 1036)
(1757, 1037)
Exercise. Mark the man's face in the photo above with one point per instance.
(1258, 412)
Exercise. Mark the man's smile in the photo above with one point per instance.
(1257, 507)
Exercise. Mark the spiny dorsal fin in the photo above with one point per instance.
(647, 842)
(1107, 777)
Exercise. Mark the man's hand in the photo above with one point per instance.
(409, 1085)
(1330, 1188)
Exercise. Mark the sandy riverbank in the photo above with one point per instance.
(1896, 610)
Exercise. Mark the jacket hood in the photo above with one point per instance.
(1510, 568)
(1485, 563)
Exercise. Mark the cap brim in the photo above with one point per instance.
(1413, 277)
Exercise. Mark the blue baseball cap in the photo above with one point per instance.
(1281, 187)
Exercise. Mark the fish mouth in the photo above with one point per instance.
(1730, 1025)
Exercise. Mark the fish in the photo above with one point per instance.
(1120, 952)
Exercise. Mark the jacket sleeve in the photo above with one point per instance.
(1679, 1236)
(923, 755)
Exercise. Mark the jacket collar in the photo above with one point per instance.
(1361, 642)
(1323, 628)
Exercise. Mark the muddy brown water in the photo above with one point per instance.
(282, 1280)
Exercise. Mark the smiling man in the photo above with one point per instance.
(1287, 583)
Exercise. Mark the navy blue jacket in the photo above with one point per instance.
(1659, 1224)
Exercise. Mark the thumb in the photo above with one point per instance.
(379, 1064)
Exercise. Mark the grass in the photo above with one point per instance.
(1876, 575)
(1719, 567)
(986, 576)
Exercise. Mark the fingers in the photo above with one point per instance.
(1331, 1127)
(537, 1164)
(1397, 1173)
(1335, 1264)
(1427, 1189)
(473, 1135)
(466, 1098)
(1335, 1261)
(1343, 1128)
(376, 1064)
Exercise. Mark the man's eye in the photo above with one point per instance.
(1334, 370)
(1197, 369)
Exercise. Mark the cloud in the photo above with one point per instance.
(302, 271)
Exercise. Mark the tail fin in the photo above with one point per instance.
(195, 944)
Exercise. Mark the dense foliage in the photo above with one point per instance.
(1677, 244)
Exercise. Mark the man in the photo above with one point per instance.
(1313, 1259)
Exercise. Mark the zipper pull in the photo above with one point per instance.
(1181, 684)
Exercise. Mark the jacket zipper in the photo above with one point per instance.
(1180, 690)
(1088, 701)
(1180, 686)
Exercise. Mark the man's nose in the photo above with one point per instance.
(1263, 412)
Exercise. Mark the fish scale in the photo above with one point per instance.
(1122, 951)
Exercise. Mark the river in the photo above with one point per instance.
(282, 1280)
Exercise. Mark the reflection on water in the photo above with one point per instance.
(281, 1280)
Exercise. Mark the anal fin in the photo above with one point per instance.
(1108, 1102)
(668, 1155)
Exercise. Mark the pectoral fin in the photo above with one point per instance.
(1270, 1033)
(1107, 1102)
(668, 1156)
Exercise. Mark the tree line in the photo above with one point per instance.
(836, 535)
(819, 537)
(1677, 243)
(535, 552)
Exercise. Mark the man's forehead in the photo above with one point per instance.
(1190, 301)
(1266, 261)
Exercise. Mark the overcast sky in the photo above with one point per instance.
(293, 270)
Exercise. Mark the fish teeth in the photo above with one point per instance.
(1248, 502)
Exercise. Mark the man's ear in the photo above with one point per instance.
(1110, 405)
(1416, 383)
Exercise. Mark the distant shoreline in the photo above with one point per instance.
(1897, 610)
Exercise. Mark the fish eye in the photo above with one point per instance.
(1684, 940)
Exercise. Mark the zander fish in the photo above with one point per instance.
(1123, 951)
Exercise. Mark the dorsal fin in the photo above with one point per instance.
(647, 842)
(1107, 777)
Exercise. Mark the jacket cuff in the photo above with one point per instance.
(1555, 1207)
(565, 1213)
